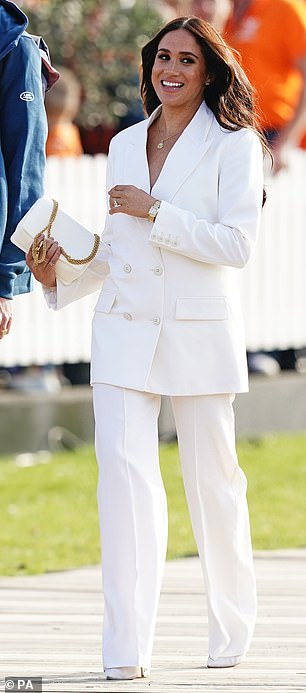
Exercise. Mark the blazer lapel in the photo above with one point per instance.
(135, 167)
(181, 160)
(185, 155)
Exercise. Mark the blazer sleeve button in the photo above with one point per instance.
(156, 320)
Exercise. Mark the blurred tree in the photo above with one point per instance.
(100, 40)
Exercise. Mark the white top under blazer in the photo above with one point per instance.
(168, 319)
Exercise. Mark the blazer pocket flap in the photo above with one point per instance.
(210, 308)
(105, 302)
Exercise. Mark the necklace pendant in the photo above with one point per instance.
(160, 145)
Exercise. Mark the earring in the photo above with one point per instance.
(207, 83)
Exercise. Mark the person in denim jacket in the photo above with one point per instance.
(25, 73)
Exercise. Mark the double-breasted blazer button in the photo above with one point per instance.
(127, 316)
(156, 320)
(127, 268)
(158, 270)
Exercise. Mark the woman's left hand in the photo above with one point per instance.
(127, 199)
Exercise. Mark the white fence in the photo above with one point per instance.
(273, 285)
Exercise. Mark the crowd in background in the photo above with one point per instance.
(268, 34)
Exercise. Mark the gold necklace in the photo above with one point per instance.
(165, 139)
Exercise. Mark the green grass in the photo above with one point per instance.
(48, 516)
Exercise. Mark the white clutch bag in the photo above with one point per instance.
(78, 245)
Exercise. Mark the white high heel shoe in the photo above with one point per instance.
(224, 662)
(126, 673)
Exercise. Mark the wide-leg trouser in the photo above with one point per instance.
(133, 520)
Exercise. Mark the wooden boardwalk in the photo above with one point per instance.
(50, 626)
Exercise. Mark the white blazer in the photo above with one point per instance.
(168, 318)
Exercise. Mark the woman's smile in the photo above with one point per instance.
(171, 85)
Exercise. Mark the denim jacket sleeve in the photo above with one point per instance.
(23, 131)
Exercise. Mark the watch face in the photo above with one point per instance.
(152, 213)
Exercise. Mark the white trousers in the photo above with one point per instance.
(133, 520)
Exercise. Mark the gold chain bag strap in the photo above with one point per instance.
(39, 248)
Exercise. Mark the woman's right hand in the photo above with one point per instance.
(44, 272)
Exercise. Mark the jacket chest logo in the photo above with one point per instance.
(27, 96)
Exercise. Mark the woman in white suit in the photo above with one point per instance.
(185, 194)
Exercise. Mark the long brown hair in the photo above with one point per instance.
(230, 95)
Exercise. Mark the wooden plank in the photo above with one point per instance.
(50, 626)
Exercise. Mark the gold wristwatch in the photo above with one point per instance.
(153, 211)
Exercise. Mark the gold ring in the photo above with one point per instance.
(3, 332)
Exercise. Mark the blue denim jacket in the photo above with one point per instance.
(23, 132)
